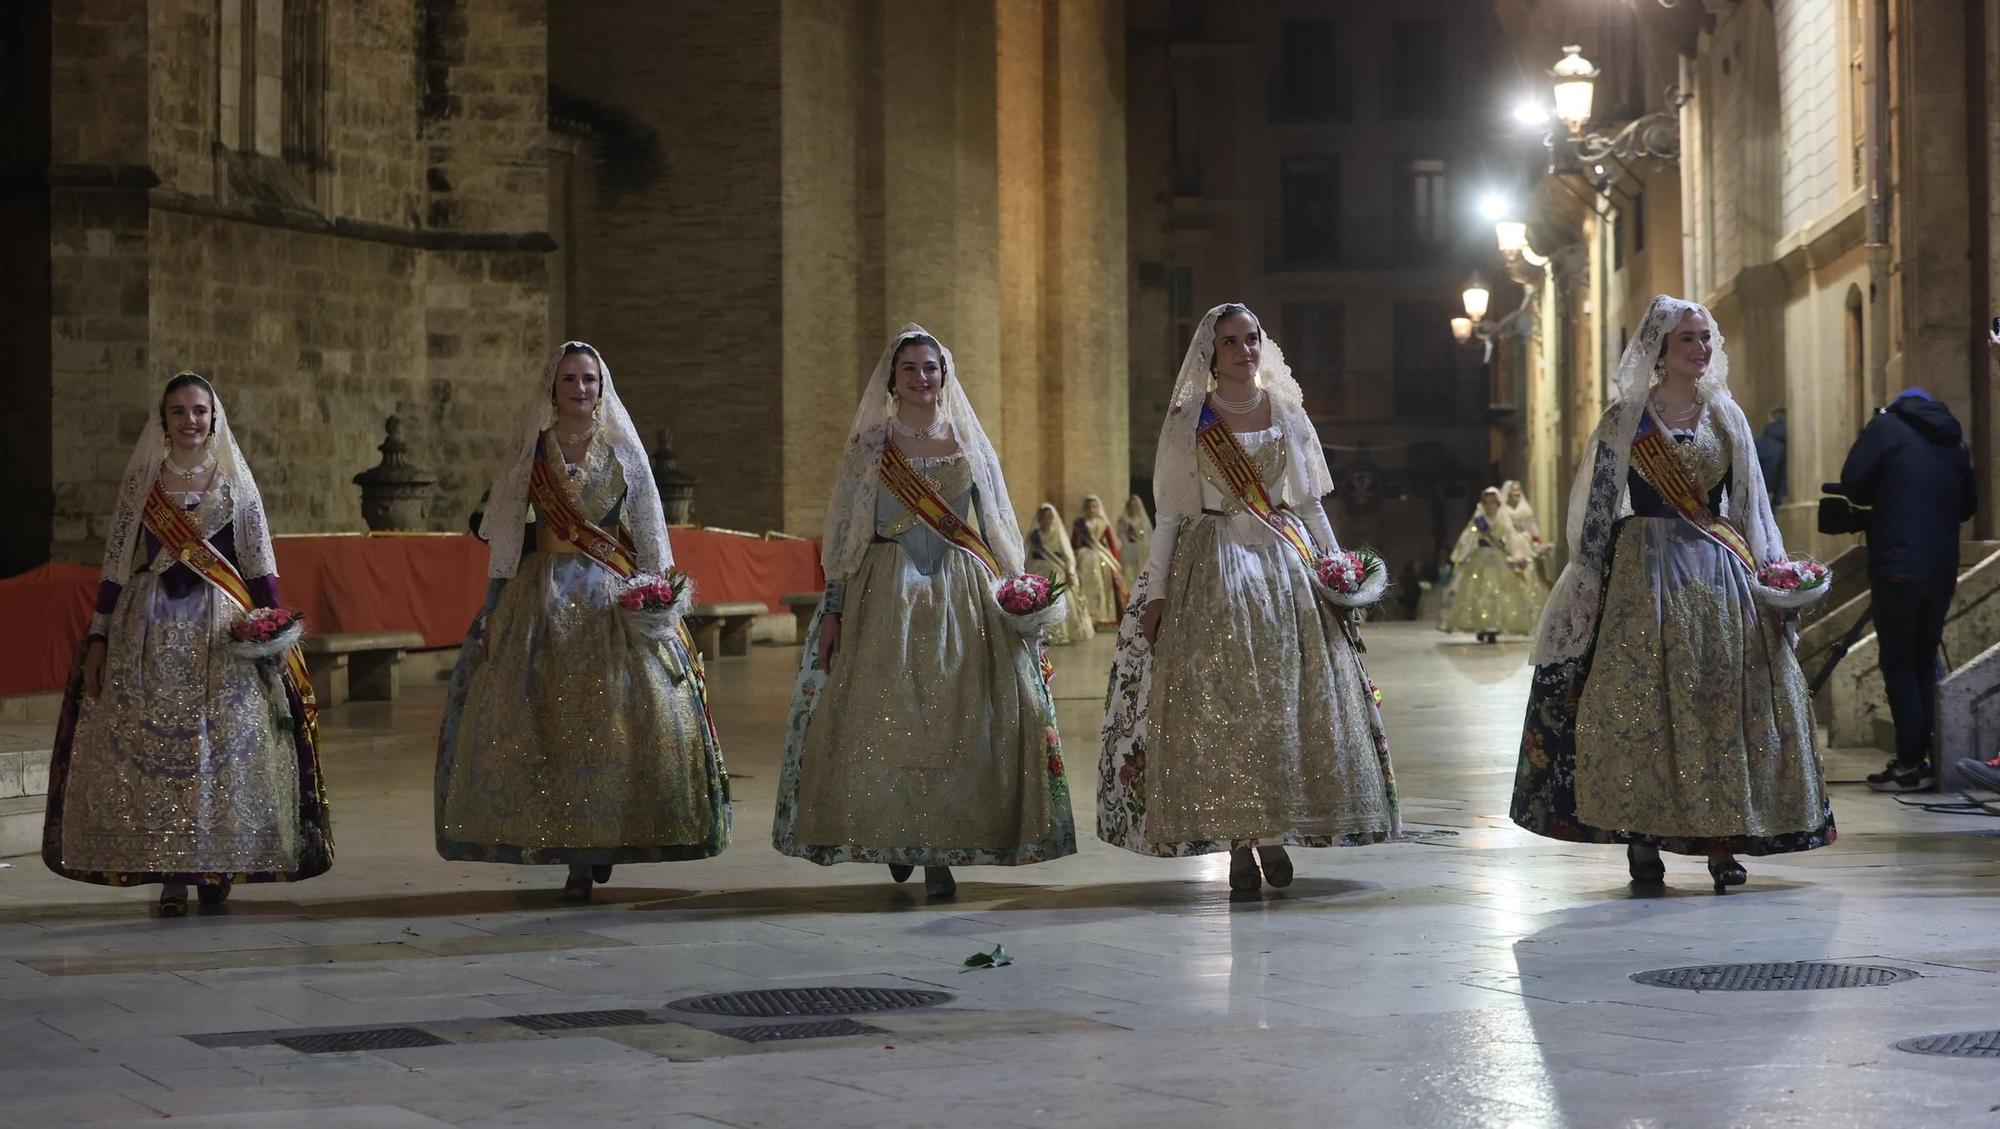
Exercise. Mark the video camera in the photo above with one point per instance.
(1839, 513)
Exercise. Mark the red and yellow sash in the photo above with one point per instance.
(182, 539)
(554, 506)
(909, 487)
(1233, 462)
(1662, 468)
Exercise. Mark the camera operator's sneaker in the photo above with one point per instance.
(1985, 774)
(1895, 777)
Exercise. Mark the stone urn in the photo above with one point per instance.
(394, 494)
(676, 486)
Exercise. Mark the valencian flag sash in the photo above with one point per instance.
(183, 541)
(915, 493)
(554, 505)
(1657, 461)
(1233, 462)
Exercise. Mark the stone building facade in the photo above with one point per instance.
(749, 214)
(342, 210)
(336, 210)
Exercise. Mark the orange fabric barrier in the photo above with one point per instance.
(431, 585)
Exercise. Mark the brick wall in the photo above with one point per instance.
(1810, 100)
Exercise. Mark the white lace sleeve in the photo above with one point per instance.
(1314, 516)
(1159, 559)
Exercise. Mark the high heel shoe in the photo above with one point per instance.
(1651, 872)
(900, 872)
(577, 889)
(1727, 874)
(600, 874)
(212, 897)
(173, 901)
(1244, 877)
(938, 882)
(1276, 864)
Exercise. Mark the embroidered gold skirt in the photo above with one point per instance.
(1097, 585)
(1262, 725)
(184, 765)
(1488, 594)
(571, 736)
(1694, 721)
(932, 740)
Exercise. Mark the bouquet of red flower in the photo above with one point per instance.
(1031, 602)
(1792, 584)
(1351, 578)
(264, 632)
(656, 601)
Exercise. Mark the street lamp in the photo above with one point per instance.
(1576, 84)
(1511, 235)
(1461, 329)
(1476, 297)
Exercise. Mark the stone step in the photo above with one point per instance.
(30, 709)
(21, 826)
(24, 772)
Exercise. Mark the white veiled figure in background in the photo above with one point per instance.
(180, 761)
(1050, 555)
(1515, 499)
(1492, 593)
(571, 735)
(1676, 719)
(1135, 531)
(921, 731)
(1100, 579)
(1251, 721)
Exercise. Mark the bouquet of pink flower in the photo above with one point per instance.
(264, 632)
(656, 602)
(1351, 578)
(1031, 602)
(1794, 583)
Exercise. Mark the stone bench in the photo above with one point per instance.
(803, 605)
(723, 629)
(359, 666)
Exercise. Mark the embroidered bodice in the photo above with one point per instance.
(951, 477)
(1705, 454)
(1267, 453)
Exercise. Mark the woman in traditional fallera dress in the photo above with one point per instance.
(179, 759)
(1135, 532)
(577, 732)
(1049, 555)
(1675, 718)
(1529, 526)
(1490, 593)
(922, 731)
(1099, 581)
(1239, 715)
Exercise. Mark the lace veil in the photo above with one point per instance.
(1598, 497)
(507, 505)
(252, 531)
(1176, 462)
(1055, 536)
(850, 515)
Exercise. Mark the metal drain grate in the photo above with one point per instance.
(769, 1003)
(817, 1029)
(576, 1020)
(378, 1039)
(1964, 1044)
(1784, 976)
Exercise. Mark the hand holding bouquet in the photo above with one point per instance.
(263, 633)
(656, 601)
(1351, 578)
(1031, 602)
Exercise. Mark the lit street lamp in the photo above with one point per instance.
(1476, 297)
(1576, 83)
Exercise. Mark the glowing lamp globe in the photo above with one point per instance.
(1575, 84)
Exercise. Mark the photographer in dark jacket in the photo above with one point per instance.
(1911, 467)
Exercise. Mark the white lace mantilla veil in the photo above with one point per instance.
(1598, 497)
(1176, 461)
(850, 514)
(507, 504)
(252, 531)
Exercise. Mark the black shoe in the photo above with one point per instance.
(1727, 874)
(900, 872)
(600, 874)
(1898, 778)
(212, 897)
(938, 882)
(1650, 872)
(1888, 771)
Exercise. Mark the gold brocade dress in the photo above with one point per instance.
(932, 741)
(1260, 724)
(1100, 584)
(570, 735)
(191, 765)
(1694, 722)
(1045, 558)
(1488, 593)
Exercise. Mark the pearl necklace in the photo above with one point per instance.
(1239, 407)
(1681, 420)
(933, 430)
(188, 474)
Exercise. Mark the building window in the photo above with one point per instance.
(1311, 204)
(272, 79)
(1314, 334)
(1423, 213)
(1181, 297)
(1857, 101)
(1422, 85)
(1312, 78)
(1186, 134)
(1637, 215)
(1425, 371)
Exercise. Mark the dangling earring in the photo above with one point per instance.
(597, 412)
